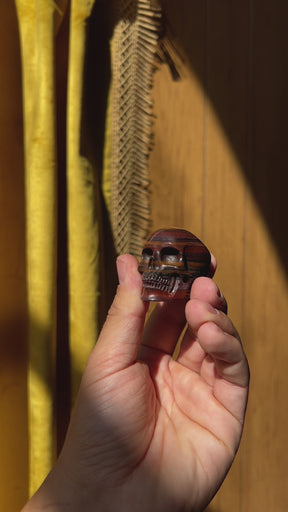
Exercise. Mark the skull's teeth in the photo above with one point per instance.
(158, 281)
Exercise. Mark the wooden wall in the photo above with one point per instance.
(219, 168)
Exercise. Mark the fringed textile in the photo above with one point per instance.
(134, 48)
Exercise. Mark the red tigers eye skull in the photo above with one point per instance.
(171, 260)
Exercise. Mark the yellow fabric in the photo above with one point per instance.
(83, 205)
(36, 30)
(107, 160)
(37, 26)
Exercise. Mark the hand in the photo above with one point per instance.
(150, 432)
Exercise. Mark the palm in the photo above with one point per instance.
(176, 407)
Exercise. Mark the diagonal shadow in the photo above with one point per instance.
(238, 50)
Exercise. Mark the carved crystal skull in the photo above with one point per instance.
(171, 260)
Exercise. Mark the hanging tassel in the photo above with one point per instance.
(134, 49)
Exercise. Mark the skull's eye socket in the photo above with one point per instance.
(147, 253)
(170, 255)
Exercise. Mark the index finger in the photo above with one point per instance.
(163, 328)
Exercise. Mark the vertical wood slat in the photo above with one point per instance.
(219, 168)
(177, 159)
(265, 476)
(225, 191)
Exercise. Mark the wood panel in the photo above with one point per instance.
(265, 476)
(219, 168)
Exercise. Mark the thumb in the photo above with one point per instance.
(119, 340)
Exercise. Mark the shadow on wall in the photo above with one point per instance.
(239, 52)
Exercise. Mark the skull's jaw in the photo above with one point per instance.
(161, 287)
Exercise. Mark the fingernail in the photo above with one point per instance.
(121, 269)
(211, 309)
(219, 293)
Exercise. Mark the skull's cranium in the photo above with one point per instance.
(171, 260)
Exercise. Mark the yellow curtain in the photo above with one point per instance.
(83, 208)
(37, 24)
(70, 168)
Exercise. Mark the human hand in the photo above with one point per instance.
(150, 432)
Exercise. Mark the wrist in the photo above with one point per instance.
(57, 494)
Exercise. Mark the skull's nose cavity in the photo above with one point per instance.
(147, 255)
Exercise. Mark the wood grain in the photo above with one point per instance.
(219, 168)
